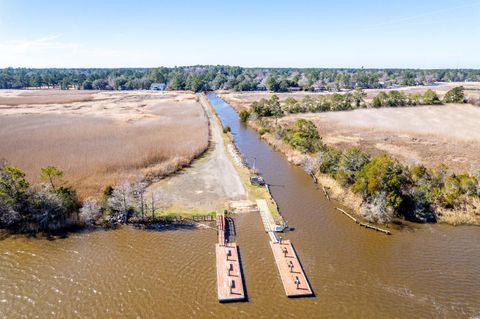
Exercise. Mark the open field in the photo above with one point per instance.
(242, 100)
(430, 135)
(20, 97)
(99, 138)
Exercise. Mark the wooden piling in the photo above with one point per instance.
(326, 193)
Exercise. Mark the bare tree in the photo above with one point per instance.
(90, 211)
(8, 215)
(376, 210)
(121, 201)
(139, 189)
(308, 165)
(154, 197)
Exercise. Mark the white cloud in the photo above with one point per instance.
(36, 45)
(52, 51)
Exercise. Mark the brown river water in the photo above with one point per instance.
(421, 271)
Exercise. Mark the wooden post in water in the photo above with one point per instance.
(325, 192)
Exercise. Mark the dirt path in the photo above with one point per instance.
(208, 185)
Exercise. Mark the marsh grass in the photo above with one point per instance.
(95, 151)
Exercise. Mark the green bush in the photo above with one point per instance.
(263, 130)
(350, 163)
(244, 115)
(328, 161)
(303, 136)
(430, 97)
(382, 174)
(455, 95)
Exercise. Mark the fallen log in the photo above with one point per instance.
(368, 226)
(326, 193)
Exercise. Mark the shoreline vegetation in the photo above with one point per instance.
(52, 206)
(379, 188)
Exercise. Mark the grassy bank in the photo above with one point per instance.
(461, 209)
(253, 192)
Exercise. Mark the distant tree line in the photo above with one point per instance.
(205, 78)
(273, 107)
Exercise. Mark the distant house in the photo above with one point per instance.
(318, 88)
(261, 87)
(294, 89)
(158, 86)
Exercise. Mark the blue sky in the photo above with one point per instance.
(84, 33)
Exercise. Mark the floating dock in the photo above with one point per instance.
(229, 271)
(291, 272)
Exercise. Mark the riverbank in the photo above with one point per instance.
(243, 171)
(136, 273)
(468, 214)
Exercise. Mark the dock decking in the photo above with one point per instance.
(291, 272)
(229, 271)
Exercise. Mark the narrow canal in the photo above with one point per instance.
(420, 271)
(426, 271)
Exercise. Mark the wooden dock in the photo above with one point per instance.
(291, 272)
(229, 271)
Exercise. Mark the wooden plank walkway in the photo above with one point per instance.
(229, 270)
(221, 228)
(267, 219)
(291, 272)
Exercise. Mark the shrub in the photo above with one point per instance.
(270, 107)
(303, 136)
(455, 95)
(244, 115)
(226, 129)
(382, 174)
(263, 130)
(350, 163)
(327, 161)
(430, 97)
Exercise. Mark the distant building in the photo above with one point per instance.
(293, 89)
(261, 87)
(158, 86)
(318, 88)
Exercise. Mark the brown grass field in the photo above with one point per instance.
(99, 138)
(242, 100)
(430, 135)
